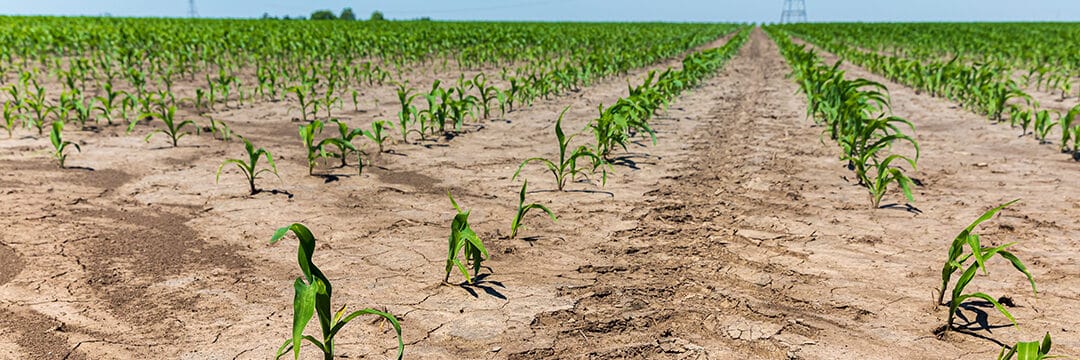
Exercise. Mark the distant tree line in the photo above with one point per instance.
(347, 14)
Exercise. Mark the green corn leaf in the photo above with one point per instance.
(1020, 267)
(303, 310)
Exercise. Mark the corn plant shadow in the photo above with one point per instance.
(608, 193)
(274, 192)
(330, 178)
(487, 286)
(905, 207)
(82, 168)
(973, 327)
(981, 321)
(166, 147)
(628, 160)
(531, 240)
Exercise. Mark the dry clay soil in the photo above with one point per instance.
(738, 235)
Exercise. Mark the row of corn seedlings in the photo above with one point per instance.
(985, 88)
(855, 114)
(617, 124)
(453, 105)
(1040, 52)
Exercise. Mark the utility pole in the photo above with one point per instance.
(192, 13)
(794, 11)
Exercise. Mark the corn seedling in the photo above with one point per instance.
(408, 111)
(223, 82)
(886, 175)
(1029, 350)
(250, 167)
(312, 295)
(108, 102)
(346, 136)
(200, 94)
(1043, 125)
(315, 150)
(9, 117)
(173, 129)
(566, 168)
(1068, 131)
(524, 209)
(83, 110)
(328, 100)
(304, 99)
(355, 100)
(59, 144)
(220, 130)
(376, 133)
(958, 258)
(41, 110)
(487, 93)
(463, 240)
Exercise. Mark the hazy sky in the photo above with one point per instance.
(579, 10)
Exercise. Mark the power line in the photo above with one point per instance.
(192, 12)
(794, 11)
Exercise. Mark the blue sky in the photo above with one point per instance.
(580, 10)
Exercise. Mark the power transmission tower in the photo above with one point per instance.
(794, 11)
(192, 13)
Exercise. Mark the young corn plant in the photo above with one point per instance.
(567, 167)
(885, 175)
(59, 144)
(1067, 129)
(314, 150)
(463, 240)
(408, 111)
(1023, 119)
(328, 100)
(107, 103)
(9, 117)
(1043, 125)
(36, 102)
(1029, 350)
(126, 104)
(220, 130)
(524, 209)
(173, 129)
(83, 110)
(345, 146)
(250, 167)
(487, 93)
(306, 101)
(376, 133)
(958, 259)
(312, 296)
(355, 100)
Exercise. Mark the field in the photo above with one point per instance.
(668, 191)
